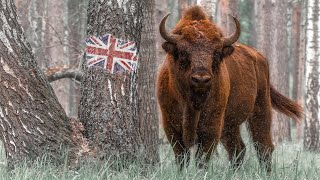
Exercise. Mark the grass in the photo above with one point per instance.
(289, 162)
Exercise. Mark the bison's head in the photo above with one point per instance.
(196, 49)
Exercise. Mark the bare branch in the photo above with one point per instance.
(57, 73)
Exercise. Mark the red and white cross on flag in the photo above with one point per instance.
(114, 55)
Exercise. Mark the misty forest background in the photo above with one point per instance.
(99, 119)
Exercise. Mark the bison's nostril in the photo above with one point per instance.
(206, 79)
(200, 79)
(195, 79)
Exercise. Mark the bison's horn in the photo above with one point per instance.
(235, 36)
(164, 33)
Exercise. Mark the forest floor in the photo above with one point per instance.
(289, 162)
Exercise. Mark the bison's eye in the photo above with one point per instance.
(217, 56)
(183, 60)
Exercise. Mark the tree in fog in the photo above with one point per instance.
(210, 6)
(32, 122)
(312, 122)
(56, 31)
(224, 10)
(272, 41)
(299, 55)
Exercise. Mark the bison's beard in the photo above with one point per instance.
(199, 99)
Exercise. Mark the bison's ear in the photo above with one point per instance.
(169, 47)
(228, 50)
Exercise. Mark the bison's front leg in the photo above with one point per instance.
(190, 125)
(209, 132)
(172, 124)
(182, 154)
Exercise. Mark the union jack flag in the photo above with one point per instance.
(114, 55)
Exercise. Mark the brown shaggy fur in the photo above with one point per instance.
(206, 91)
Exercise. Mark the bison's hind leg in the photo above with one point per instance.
(259, 126)
(233, 143)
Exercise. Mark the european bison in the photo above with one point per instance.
(209, 85)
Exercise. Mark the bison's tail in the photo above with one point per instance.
(285, 105)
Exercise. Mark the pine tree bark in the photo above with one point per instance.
(279, 68)
(312, 123)
(147, 109)
(32, 122)
(110, 104)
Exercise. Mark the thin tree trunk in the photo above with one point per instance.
(147, 110)
(56, 49)
(32, 122)
(173, 7)
(248, 25)
(32, 14)
(210, 7)
(252, 39)
(296, 42)
(161, 9)
(183, 4)
(226, 8)
(76, 29)
(300, 60)
(49, 33)
(312, 121)
(265, 28)
(279, 68)
(272, 41)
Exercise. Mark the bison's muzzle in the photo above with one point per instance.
(200, 85)
(201, 81)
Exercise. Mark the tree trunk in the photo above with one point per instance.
(76, 30)
(54, 40)
(265, 28)
(174, 8)
(161, 9)
(272, 41)
(210, 7)
(300, 57)
(55, 47)
(248, 26)
(32, 122)
(110, 105)
(226, 8)
(259, 11)
(295, 45)
(312, 122)
(279, 68)
(183, 5)
(147, 109)
(252, 24)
